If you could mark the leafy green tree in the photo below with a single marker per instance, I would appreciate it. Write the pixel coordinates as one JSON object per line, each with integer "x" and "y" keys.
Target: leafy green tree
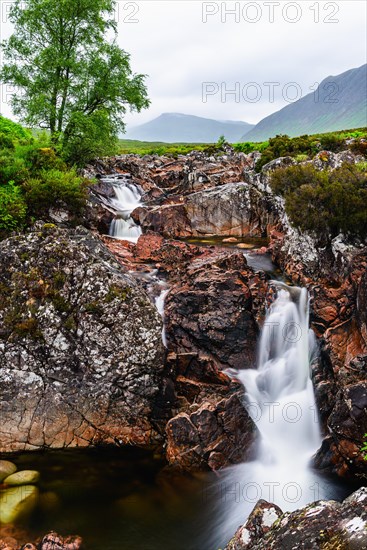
{"x": 69, "y": 75}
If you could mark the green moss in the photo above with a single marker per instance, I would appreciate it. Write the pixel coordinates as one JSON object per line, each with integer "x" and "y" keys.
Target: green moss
{"x": 59, "y": 280}
{"x": 28, "y": 327}
{"x": 94, "y": 307}
{"x": 61, "y": 305}
{"x": 115, "y": 292}
{"x": 70, "y": 323}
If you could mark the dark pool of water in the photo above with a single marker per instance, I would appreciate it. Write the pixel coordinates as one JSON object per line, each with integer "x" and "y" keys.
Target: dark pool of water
{"x": 252, "y": 242}
{"x": 120, "y": 499}
{"x": 126, "y": 499}
{"x": 259, "y": 262}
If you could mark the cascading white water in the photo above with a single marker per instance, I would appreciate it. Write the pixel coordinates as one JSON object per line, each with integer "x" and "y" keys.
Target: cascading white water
{"x": 280, "y": 399}
{"x": 127, "y": 199}
{"x": 159, "y": 304}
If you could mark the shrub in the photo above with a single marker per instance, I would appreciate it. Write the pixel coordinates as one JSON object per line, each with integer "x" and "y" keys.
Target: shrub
{"x": 359, "y": 147}
{"x": 286, "y": 180}
{"x": 42, "y": 158}
{"x": 5, "y": 141}
{"x": 332, "y": 142}
{"x": 55, "y": 188}
{"x": 13, "y": 208}
{"x": 12, "y": 168}
{"x": 283, "y": 145}
{"x": 14, "y": 131}
{"x": 325, "y": 202}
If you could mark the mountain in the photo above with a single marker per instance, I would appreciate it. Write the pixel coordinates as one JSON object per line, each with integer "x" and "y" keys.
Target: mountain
{"x": 176, "y": 127}
{"x": 338, "y": 104}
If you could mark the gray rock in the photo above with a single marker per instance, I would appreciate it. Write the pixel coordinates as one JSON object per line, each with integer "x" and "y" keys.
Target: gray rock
{"x": 320, "y": 525}
{"x": 260, "y": 521}
{"x": 80, "y": 345}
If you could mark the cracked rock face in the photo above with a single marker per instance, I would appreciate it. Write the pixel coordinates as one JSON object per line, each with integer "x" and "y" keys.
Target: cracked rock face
{"x": 80, "y": 345}
{"x": 211, "y": 311}
{"x": 325, "y": 525}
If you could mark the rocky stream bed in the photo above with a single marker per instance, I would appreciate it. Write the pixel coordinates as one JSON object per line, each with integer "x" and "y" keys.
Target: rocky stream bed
{"x": 83, "y": 363}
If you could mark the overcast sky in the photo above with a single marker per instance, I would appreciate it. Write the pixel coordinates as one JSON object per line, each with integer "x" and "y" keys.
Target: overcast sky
{"x": 184, "y": 44}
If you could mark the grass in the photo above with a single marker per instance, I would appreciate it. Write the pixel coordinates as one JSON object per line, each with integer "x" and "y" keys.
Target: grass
{"x": 127, "y": 146}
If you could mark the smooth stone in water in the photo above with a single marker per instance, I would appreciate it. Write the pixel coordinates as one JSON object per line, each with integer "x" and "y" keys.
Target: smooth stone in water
{"x": 17, "y": 502}
{"x": 230, "y": 240}
{"x": 245, "y": 246}
{"x": 6, "y": 469}
{"x": 24, "y": 477}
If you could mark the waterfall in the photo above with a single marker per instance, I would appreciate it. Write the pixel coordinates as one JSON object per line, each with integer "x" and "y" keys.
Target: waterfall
{"x": 127, "y": 199}
{"x": 280, "y": 399}
{"x": 279, "y": 394}
{"x": 159, "y": 304}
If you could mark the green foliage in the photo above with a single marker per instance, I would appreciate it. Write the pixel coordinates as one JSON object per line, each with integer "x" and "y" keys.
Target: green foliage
{"x": 12, "y": 168}
{"x": 13, "y": 208}
{"x": 364, "y": 447}
{"x": 42, "y": 158}
{"x": 69, "y": 75}
{"x": 250, "y": 146}
{"x": 55, "y": 188}
{"x": 221, "y": 141}
{"x": 324, "y": 202}
{"x": 127, "y": 146}
{"x": 305, "y": 147}
{"x": 282, "y": 146}
{"x": 359, "y": 147}
{"x": 90, "y": 138}
{"x": 13, "y": 131}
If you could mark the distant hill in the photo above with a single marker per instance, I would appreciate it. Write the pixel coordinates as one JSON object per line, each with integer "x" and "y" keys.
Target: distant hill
{"x": 176, "y": 127}
{"x": 341, "y": 104}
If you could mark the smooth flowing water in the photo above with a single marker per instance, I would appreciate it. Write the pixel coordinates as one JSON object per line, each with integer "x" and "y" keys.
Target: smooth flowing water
{"x": 159, "y": 304}
{"x": 280, "y": 399}
{"x": 127, "y": 199}
{"x": 126, "y": 498}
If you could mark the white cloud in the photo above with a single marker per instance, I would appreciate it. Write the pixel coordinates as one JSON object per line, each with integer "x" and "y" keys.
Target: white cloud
{"x": 171, "y": 43}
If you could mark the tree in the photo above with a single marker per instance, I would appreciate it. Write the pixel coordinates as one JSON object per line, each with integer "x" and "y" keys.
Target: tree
{"x": 70, "y": 77}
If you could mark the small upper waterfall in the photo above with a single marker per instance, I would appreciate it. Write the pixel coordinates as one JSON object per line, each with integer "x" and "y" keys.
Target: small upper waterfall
{"x": 280, "y": 399}
{"x": 159, "y": 304}
{"x": 127, "y": 199}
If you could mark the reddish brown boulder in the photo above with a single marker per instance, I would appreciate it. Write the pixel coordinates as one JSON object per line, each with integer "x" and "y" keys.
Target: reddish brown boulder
{"x": 216, "y": 435}
{"x": 53, "y": 541}
{"x": 168, "y": 220}
{"x": 210, "y": 311}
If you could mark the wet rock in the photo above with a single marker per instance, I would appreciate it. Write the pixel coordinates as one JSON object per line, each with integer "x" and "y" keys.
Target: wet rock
{"x": 214, "y": 436}
{"x": 347, "y": 424}
{"x": 258, "y": 524}
{"x": 23, "y": 477}
{"x": 168, "y": 220}
{"x": 17, "y": 502}
{"x": 322, "y": 525}
{"x": 53, "y": 541}
{"x": 211, "y": 311}
{"x": 81, "y": 355}
{"x": 6, "y": 469}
